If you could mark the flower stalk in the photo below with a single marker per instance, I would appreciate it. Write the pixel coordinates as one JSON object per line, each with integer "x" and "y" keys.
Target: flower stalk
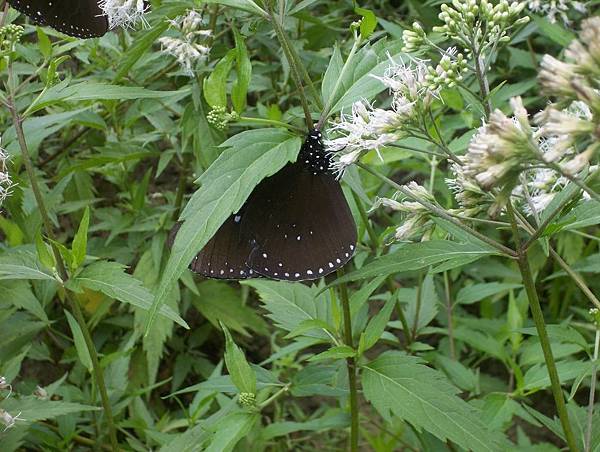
{"x": 62, "y": 271}
{"x": 540, "y": 325}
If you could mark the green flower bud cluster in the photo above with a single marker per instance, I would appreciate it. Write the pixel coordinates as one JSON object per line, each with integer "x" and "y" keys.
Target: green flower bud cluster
{"x": 219, "y": 118}
{"x": 479, "y": 24}
{"x": 448, "y": 72}
{"x": 247, "y": 399}
{"x": 413, "y": 38}
{"x": 9, "y": 35}
{"x": 595, "y": 313}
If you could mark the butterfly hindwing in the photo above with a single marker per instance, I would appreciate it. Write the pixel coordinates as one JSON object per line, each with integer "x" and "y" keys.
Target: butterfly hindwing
{"x": 225, "y": 255}
{"x": 79, "y": 18}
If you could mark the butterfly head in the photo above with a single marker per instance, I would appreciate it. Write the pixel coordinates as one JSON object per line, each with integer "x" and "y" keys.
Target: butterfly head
{"x": 313, "y": 155}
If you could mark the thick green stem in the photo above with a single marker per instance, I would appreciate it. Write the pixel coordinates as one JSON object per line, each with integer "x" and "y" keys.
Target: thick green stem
{"x": 351, "y": 366}
{"x": 62, "y": 271}
{"x": 540, "y": 325}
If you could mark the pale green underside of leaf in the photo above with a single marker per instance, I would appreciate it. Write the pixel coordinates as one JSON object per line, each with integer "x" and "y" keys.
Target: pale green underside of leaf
{"x": 251, "y": 156}
{"x": 400, "y": 385}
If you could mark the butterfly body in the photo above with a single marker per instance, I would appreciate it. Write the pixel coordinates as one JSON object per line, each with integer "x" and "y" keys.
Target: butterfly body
{"x": 79, "y": 18}
{"x": 296, "y": 225}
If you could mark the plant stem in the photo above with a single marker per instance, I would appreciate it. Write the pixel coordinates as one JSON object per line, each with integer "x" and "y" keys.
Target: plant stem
{"x": 400, "y": 313}
{"x": 365, "y": 219}
{"x": 293, "y": 67}
{"x": 62, "y": 271}
{"x": 449, "y": 315}
{"x": 484, "y": 86}
{"x": 440, "y": 212}
{"x": 351, "y": 366}
{"x": 590, "y": 414}
{"x": 540, "y": 325}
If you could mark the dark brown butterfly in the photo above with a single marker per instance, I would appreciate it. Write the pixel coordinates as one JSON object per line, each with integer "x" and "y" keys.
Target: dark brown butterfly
{"x": 79, "y": 18}
{"x": 296, "y": 225}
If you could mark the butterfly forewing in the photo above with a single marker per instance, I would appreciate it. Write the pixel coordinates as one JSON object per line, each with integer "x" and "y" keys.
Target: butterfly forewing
{"x": 79, "y": 18}
{"x": 299, "y": 220}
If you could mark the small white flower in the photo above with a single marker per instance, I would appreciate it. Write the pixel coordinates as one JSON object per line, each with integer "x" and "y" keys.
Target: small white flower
{"x": 124, "y": 13}
{"x": 5, "y": 184}
{"x": 187, "y": 49}
{"x": 9, "y": 420}
{"x": 554, "y": 9}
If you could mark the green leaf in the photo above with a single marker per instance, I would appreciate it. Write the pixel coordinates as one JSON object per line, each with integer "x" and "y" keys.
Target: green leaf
{"x": 143, "y": 41}
{"x": 537, "y": 378}
{"x": 21, "y": 265}
{"x": 251, "y": 156}
{"x": 336, "y": 63}
{"x": 337, "y": 352}
{"x": 554, "y": 31}
{"x": 239, "y": 90}
{"x": 215, "y": 85}
{"x": 44, "y": 43}
{"x": 230, "y": 430}
{"x": 416, "y": 256}
{"x": 368, "y": 22}
{"x": 79, "y": 246}
{"x": 19, "y": 294}
{"x": 33, "y": 409}
{"x": 45, "y": 255}
{"x": 290, "y": 305}
{"x": 477, "y": 292}
{"x": 111, "y": 279}
{"x": 376, "y": 325}
{"x": 401, "y": 385}
{"x": 241, "y": 373}
{"x": 61, "y": 92}
{"x": 82, "y": 351}
{"x": 372, "y": 60}
{"x": 220, "y": 302}
{"x": 244, "y": 5}
{"x": 327, "y": 422}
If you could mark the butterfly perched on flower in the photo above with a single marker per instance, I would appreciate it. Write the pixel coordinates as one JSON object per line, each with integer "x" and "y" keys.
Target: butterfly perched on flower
{"x": 296, "y": 225}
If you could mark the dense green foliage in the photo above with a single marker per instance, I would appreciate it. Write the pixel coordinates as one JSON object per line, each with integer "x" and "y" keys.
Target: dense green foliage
{"x": 106, "y": 336}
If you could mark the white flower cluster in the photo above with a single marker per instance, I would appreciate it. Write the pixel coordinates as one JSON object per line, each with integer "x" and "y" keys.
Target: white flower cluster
{"x": 187, "y": 48}
{"x": 5, "y": 181}
{"x": 413, "y": 87}
{"x": 124, "y": 13}
{"x": 554, "y": 9}
{"x": 416, "y": 217}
